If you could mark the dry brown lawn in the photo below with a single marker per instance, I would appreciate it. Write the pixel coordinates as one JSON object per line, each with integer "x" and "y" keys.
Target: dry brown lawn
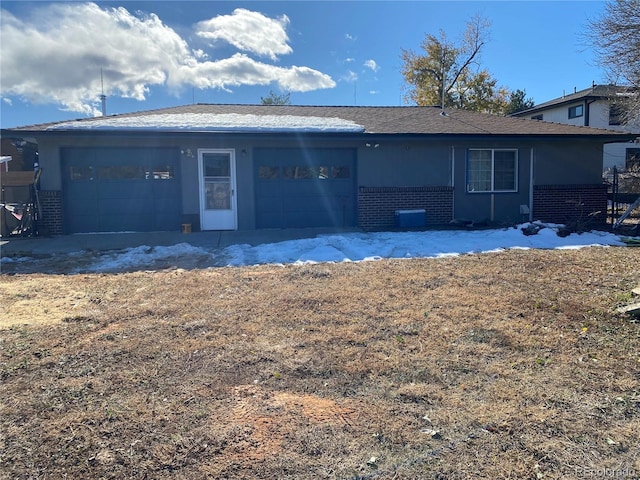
{"x": 507, "y": 365}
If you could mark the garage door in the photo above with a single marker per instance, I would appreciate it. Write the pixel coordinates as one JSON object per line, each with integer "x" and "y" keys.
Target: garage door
{"x": 121, "y": 189}
{"x": 305, "y": 188}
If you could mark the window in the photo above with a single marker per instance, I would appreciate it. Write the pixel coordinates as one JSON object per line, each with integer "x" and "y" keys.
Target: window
{"x": 615, "y": 114}
{"x": 216, "y": 165}
{"x": 268, "y": 173}
{"x": 161, "y": 172}
{"x": 301, "y": 173}
{"x": 633, "y": 159}
{"x": 81, "y": 173}
{"x": 576, "y": 111}
{"x": 340, "y": 172}
{"x": 492, "y": 170}
{"x": 537, "y": 117}
{"x": 124, "y": 172}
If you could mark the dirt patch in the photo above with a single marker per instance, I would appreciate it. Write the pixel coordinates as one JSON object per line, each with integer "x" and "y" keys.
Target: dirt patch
{"x": 509, "y": 365}
{"x": 38, "y": 302}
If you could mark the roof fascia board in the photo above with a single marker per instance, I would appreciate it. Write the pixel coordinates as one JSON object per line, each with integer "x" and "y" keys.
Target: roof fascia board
{"x": 359, "y": 136}
{"x": 558, "y": 103}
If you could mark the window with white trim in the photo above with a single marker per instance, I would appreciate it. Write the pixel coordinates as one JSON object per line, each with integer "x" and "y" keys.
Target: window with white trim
{"x": 492, "y": 170}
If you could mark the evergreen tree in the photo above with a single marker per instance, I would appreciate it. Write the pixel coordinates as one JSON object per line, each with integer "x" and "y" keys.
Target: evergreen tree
{"x": 276, "y": 99}
{"x": 518, "y": 102}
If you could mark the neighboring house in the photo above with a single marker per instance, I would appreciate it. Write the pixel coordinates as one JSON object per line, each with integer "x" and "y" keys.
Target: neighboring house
{"x": 596, "y": 107}
{"x": 22, "y": 152}
{"x": 4, "y": 163}
{"x": 226, "y": 167}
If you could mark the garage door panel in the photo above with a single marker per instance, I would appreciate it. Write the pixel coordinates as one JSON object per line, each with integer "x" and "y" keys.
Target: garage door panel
{"x": 121, "y": 189}
{"x": 312, "y": 219}
{"x": 86, "y": 208}
{"x": 125, "y": 222}
{"x": 305, "y": 188}
{"x": 82, "y": 222}
{"x": 167, "y": 206}
{"x": 124, "y": 206}
{"x": 125, "y": 190}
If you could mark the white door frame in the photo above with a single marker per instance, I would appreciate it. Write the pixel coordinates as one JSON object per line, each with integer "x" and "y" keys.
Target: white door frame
{"x": 217, "y": 218}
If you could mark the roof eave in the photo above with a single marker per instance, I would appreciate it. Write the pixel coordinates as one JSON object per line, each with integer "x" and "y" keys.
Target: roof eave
{"x": 606, "y": 137}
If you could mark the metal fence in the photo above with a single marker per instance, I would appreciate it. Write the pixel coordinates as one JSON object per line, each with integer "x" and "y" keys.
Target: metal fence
{"x": 623, "y": 194}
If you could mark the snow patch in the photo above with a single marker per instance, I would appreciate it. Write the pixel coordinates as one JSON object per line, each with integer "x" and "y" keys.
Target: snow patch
{"x": 215, "y": 122}
{"x": 348, "y": 247}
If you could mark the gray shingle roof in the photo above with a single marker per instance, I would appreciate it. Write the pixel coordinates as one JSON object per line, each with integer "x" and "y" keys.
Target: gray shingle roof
{"x": 409, "y": 120}
{"x": 594, "y": 92}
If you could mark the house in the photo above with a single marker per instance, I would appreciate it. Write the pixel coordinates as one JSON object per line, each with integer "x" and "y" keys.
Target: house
{"x": 598, "y": 107}
{"x": 23, "y": 154}
{"x": 227, "y": 167}
{"x": 4, "y": 163}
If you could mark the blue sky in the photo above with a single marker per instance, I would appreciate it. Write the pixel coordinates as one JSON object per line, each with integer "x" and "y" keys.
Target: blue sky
{"x": 155, "y": 54}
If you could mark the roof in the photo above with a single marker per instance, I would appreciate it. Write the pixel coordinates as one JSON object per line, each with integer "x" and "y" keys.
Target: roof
{"x": 595, "y": 92}
{"x": 410, "y": 120}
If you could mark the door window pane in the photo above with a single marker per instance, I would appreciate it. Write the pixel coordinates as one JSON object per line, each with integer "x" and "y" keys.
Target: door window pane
{"x": 217, "y": 165}
{"x": 217, "y": 195}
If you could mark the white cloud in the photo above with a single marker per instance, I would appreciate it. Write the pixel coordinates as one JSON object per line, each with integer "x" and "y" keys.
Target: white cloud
{"x": 7, "y": 101}
{"x": 372, "y": 65}
{"x": 57, "y": 52}
{"x": 200, "y": 54}
{"x": 350, "y": 77}
{"x": 348, "y": 36}
{"x": 249, "y": 31}
{"x": 243, "y": 70}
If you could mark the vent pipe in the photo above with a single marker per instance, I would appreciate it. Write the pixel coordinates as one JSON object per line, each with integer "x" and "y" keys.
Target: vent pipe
{"x": 103, "y": 97}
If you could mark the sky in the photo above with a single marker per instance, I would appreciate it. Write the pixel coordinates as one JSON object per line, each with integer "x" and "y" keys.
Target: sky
{"x": 347, "y": 247}
{"x": 57, "y": 58}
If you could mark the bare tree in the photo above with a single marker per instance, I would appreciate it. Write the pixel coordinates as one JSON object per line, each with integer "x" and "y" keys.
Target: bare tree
{"x": 615, "y": 36}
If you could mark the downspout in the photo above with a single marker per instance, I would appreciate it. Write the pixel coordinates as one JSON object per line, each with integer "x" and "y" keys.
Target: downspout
{"x": 492, "y": 214}
{"x": 531, "y": 186}
{"x": 453, "y": 181}
{"x": 587, "y": 111}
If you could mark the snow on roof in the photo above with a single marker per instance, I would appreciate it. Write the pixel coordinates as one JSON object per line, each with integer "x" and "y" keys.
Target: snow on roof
{"x": 233, "y": 122}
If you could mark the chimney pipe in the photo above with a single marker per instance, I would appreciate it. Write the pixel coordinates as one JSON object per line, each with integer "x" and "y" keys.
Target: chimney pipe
{"x": 103, "y": 97}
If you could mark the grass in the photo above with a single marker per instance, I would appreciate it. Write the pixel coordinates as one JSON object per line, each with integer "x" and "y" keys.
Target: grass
{"x": 506, "y": 365}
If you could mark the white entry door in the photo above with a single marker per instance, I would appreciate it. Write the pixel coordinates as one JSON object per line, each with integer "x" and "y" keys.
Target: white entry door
{"x": 217, "y": 169}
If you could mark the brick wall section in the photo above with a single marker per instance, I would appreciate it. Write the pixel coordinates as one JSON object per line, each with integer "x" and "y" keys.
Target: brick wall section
{"x": 584, "y": 205}
{"x": 51, "y": 204}
{"x": 377, "y": 205}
